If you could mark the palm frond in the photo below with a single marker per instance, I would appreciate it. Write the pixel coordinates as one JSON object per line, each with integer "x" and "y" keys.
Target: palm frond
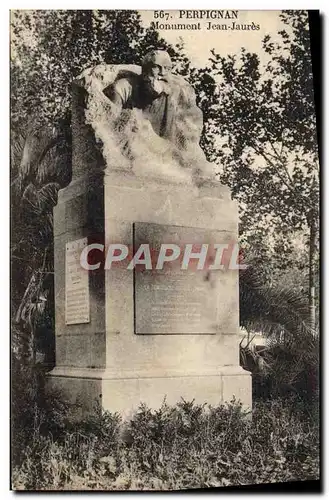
{"x": 17, "y": 144}
{"x": 273, "y": 311}
{"x": 41, "y": 155}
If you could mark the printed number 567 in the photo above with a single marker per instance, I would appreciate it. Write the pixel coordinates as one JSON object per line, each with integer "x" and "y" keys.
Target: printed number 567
{"x": 161, "y": 14}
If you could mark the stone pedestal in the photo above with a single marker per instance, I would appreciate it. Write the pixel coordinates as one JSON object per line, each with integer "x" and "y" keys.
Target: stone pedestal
{"x": 121, "y": 353}
{"x": 105, "y": 359}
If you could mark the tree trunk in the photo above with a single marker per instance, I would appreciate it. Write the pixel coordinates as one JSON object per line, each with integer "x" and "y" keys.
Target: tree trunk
{"x": 312, "y": 271}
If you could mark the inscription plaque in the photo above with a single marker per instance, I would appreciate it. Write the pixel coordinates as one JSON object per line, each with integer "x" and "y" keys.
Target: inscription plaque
{"x": 76, "y": 284}
{"x": 172, "y": 300}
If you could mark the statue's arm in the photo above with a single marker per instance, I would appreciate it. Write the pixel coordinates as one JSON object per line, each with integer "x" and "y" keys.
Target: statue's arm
{"x": 193, "y": 116}
{"x": 119, "y": 92}
{"x": 114, "y": 97}
{"x": 188, "y": 130}
{"x": 189, "y": 120}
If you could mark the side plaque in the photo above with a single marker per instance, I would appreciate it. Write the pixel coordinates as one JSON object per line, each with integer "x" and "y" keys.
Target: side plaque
{"x": 77, "y": 303}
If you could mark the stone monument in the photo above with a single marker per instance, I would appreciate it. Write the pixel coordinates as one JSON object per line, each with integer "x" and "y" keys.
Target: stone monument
{"x": 126, "y": 336}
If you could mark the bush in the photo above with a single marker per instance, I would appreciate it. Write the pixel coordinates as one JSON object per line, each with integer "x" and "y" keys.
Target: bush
{"x": 175, "y": 447}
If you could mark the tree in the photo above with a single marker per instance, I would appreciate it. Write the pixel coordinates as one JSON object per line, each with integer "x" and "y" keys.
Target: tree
{"x": 268, "y": 153}
{"x": 39, "y": 160}
{"x": 61, "y": 45}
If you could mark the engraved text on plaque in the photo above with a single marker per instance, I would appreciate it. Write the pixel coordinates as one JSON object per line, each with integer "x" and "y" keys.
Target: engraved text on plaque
{"x": 76, "y": 284}
{"x": 172, "y": 300}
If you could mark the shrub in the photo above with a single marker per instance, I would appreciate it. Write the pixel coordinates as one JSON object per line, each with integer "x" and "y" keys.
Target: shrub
{"x": 175, "y": 447}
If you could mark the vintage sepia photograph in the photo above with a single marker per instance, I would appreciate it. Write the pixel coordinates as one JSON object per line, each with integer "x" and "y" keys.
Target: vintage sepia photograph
{"x": 165, "y": 276}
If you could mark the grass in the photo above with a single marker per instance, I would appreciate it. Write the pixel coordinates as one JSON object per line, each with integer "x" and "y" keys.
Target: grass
{"x": 175, "y": 447}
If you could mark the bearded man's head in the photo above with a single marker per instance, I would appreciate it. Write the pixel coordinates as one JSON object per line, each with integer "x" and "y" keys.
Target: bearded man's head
{"x": 156, "y": 70}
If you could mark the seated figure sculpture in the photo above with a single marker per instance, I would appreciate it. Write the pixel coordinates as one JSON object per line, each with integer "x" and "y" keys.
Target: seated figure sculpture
{"x": 147, "y": 119}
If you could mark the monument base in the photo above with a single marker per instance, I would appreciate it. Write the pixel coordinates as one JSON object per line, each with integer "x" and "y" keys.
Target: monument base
{"x": 145, "y": 335}
{"x": 87, "y": 390}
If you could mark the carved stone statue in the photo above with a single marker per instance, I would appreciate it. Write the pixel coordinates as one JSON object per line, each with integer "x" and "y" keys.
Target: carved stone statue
{"x": 146, "y": 119}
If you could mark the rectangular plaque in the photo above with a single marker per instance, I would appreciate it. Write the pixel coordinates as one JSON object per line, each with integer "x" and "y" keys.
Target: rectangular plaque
{"x": 172, "y": 300}
{"x": 76, "y": 284}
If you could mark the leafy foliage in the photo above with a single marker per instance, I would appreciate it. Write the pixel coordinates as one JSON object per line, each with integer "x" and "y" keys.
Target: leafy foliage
{"x": 272, "y": 310}
{"x": 175, "y": 447}
{"x": 260, "y": 129}
{"x": 269, "y": 152}
{"x": 289, "y": 363}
